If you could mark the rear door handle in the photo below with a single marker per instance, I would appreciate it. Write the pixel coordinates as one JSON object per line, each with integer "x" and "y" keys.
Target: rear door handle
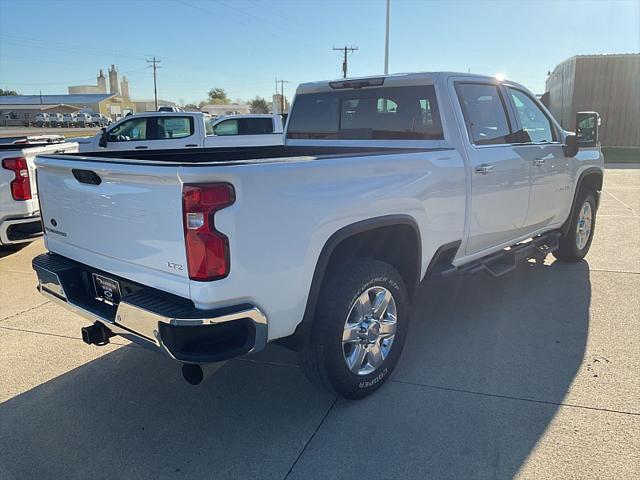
{"x": 538, "y": 162}
{"x": 191, "y": 145}
{"x": 484, "y": 169}
{"x": 141, "y": 147}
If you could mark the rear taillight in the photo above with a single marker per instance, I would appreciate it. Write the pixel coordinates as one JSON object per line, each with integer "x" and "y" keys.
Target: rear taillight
{"x": 207, "y": 248}
{"x": 21, "y": 185}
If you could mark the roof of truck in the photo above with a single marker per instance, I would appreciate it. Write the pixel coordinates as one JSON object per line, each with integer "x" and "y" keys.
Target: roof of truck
{"x": 406, "y": 79}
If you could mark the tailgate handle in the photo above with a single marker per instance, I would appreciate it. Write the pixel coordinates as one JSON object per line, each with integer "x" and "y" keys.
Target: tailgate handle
{"x": 86, "y": 176}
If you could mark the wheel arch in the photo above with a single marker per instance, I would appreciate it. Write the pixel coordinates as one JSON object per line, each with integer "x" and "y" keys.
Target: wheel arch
{"x": 591, "y": 178}
{"x": 352, "y": 240}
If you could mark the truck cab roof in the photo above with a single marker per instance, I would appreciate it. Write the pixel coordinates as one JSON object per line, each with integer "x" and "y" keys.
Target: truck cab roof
{"x": 396, "y": 79}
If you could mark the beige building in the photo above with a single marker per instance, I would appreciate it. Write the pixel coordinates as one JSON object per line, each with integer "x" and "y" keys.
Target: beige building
{"x": 607, "y": 84}
{"x": 228, "y": 109}
{"x": 106, "y": 104}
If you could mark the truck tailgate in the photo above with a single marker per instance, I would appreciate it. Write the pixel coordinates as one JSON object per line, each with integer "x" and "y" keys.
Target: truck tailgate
{"x": 122, "y": 218}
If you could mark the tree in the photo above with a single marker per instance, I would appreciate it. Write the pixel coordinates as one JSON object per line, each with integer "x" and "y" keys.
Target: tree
{"x": 191, "y": 106}
{"x": 259, "y": 105}
{"x": 5, "y": 93}
{"x": 218, "y": 96}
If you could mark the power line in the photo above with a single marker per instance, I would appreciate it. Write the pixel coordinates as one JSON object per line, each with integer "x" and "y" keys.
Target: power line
{"x": 154, "y": 62}
{"x": 345, "y": 50}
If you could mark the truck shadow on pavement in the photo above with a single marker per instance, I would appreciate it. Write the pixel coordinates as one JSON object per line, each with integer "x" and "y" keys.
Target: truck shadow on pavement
{"x": 485, "y": 368}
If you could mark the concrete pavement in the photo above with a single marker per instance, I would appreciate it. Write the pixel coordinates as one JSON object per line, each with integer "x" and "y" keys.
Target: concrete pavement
{"x": 532, "y": 375}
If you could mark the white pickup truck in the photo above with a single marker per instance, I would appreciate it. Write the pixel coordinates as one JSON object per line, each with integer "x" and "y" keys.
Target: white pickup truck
{"x": 19, "y": 210}
{"x": 163, "y": 130}
{"x": 318, "y": 244}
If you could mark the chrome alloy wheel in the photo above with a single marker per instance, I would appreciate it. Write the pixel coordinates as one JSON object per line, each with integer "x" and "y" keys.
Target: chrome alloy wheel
{"x": 369, "y": 330}
{"x": 585, "y": 221}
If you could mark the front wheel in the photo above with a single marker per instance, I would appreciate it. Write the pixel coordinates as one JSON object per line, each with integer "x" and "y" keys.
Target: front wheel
{"x": 359, "y": 328}
{"x": 576, "y": 241}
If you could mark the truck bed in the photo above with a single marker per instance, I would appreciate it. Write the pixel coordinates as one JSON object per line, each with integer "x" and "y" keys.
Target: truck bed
{"x": 242, "y": 155}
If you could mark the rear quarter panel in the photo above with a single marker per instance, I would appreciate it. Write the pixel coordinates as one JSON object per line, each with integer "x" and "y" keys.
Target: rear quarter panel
{"x": 285, "y": 213}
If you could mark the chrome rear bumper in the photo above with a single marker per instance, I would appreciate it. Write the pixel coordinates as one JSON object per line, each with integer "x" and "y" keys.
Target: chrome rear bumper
{"x": 152, "y": 318}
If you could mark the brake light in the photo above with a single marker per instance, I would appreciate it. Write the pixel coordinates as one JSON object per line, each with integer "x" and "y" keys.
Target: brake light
{"x": 207, "y": 248}
{"x": 21, "y": 185}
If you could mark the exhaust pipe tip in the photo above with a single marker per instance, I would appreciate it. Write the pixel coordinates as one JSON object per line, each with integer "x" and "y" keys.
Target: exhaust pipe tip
{"x": 192, "y": 373}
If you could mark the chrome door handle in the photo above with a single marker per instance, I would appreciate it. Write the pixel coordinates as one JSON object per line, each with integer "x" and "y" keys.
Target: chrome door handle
{"x": 538, "y": 162}
{"x": 484, "y": 169}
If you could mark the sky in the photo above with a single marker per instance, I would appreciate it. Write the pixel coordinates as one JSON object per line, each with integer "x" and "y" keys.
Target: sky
{"x": 243, "y": 45}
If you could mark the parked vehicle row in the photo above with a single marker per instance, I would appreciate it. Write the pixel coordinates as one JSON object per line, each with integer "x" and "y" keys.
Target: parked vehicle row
{"x": 165, "y": 130}
{"x": 318, "y": 244}
{"x": 71, "y": 120}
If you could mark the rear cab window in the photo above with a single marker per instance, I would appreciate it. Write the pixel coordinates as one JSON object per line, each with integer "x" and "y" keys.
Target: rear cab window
{"x": 385, "y": 113}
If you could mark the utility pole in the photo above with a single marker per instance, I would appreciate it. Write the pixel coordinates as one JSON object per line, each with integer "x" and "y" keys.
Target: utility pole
{"x": 386, "y": 41}
{"x": 345, "y": 50}
{"x": 281, "y": 82}
{"x": 155, "y": 85}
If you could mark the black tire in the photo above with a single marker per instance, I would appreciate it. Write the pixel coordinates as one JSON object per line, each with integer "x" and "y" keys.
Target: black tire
{"x": 322, "y": 360}
{"x": 569, "y": 250}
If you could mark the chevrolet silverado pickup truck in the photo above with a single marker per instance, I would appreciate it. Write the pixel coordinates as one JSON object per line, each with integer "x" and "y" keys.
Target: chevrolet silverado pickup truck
{"x": 19, "y": 210}
{"x": 317, "y": 244}
{"x": 163, "y": 130}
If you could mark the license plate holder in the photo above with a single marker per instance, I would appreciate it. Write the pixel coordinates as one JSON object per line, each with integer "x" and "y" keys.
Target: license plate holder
{"x": 107, "y": 289}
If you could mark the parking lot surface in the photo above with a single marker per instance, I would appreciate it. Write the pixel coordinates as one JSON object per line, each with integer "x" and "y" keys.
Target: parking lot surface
{"x": 531, "y": 375}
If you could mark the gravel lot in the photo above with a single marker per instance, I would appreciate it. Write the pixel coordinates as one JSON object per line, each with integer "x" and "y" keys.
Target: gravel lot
{"x": 533, "y": 375}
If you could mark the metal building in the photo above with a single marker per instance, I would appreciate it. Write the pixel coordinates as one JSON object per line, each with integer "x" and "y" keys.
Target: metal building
{"x": 607, "y": 84}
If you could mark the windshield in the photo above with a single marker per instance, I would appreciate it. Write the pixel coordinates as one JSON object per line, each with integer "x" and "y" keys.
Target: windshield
{"x": 392, "y": 113}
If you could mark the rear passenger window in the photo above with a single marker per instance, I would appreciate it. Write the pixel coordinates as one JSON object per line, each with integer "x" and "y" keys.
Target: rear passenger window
{"x": 255, "y": 126}
{"x": 172, "y": 127}
{"x": 228, "y": 127}
{"x": 484, "y": 113}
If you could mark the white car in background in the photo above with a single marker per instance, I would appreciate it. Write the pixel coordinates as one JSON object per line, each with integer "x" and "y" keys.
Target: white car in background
{"x": 83, "y": 120}
{"x": 169, "y": 130}
{"x": 41, "y": 119}
{"x": 68, "y": 119}
{"x": 55, "y": 119}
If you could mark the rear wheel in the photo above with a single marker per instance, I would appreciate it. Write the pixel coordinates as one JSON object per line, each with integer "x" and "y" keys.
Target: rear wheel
{"x": 359, "y": 328}
{"x": 575, "y": 243}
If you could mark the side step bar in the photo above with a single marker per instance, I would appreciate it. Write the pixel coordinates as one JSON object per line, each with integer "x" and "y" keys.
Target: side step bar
{"x": 503, "y": 262}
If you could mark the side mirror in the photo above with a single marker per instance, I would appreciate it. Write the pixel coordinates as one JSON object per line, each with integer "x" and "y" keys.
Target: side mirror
{"x": 103, "y": 138}
{"x": 587, "y": 124}
{"x": 570, "y": 147}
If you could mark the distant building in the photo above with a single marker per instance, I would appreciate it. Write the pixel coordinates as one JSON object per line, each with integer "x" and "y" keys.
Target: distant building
{"x": 277, "y": 104}
{"x": 24, "y": 114}
{"x": 22, "y": 108}
{"x": 99, "y": 87}
{"x": 607, "y": 84}
{"x": 228, "y": 109}
{"x": 113, "y": 80}
{"x": 150, "y": 105}
{"x": 124, "y": 88}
